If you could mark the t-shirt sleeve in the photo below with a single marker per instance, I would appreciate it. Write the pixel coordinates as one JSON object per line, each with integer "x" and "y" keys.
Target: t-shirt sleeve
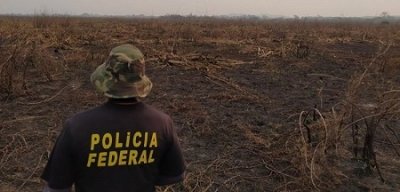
{"x": 59, "y": 172}
{"x": 172, "y": 166}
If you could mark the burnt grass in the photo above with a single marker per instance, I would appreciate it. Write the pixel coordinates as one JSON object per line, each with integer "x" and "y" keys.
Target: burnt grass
{"x": 234, "y": 89}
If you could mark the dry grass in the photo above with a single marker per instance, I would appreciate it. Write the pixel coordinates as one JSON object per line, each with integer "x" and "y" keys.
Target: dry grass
{"x": 346, "y": 137}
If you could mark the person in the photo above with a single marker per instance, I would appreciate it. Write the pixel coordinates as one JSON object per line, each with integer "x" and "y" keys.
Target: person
{"x": 121, "y": 145}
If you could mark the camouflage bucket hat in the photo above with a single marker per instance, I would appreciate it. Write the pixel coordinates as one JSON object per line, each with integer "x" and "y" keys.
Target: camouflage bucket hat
{"x": 122, "y": 75}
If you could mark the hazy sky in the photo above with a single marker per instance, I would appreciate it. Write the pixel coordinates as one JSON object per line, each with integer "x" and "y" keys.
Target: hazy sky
{"x": 205, "y": 7}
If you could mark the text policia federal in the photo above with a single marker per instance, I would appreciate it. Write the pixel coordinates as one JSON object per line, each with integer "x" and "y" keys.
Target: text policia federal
{"x": 115, "y": 149}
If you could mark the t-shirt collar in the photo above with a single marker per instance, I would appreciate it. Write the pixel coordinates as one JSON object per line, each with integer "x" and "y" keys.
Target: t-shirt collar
{"x": 127, "y": 101}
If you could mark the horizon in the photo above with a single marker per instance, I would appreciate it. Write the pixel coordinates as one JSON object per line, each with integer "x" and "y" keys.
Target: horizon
{"x": 272, "y": 8}
{"x": 266, "y": 16}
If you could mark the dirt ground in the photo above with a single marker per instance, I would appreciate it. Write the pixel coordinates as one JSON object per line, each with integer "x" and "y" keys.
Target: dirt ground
{"x": 235, "y": 90}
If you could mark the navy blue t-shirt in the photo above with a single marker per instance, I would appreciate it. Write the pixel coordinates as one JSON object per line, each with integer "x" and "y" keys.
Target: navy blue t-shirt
{"x": 118, "y": 146}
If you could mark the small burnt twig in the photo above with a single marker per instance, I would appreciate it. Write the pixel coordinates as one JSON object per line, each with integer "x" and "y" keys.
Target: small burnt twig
{"x": 391, "y": 142}
{"x": 46, "y": 100}
{"x": 393, "y": 132}
{"x": 33, "y": 173}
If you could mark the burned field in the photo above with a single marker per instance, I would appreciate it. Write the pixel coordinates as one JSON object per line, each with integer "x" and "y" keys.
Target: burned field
{"x": 279, "y": 105}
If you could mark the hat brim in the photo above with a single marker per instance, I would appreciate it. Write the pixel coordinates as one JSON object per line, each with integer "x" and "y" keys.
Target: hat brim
{"x": 104, "y": 83}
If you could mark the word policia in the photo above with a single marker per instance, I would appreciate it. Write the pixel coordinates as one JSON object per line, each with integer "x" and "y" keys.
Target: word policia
{"x": 118, "y": 150}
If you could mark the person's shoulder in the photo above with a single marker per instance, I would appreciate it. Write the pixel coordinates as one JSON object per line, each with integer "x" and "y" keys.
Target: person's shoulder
{"x": 161, "y": 119}
{"x": 153, "y": 111}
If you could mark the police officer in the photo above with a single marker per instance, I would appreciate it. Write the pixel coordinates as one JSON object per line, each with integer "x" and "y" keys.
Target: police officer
{"x": 122, "y": 145}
